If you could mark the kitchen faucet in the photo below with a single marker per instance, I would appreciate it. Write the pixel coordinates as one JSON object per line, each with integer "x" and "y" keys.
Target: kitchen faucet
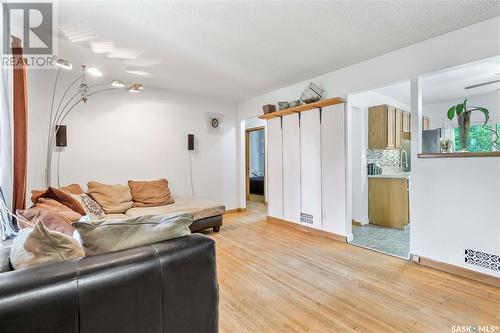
{"x": 403, "y": 163}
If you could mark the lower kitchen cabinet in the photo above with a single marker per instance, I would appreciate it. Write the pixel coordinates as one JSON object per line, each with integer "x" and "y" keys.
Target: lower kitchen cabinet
{"x": 388, "y": 202}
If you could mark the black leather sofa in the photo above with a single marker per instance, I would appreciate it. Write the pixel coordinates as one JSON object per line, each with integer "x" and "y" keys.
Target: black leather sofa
{"x": 169, "y": 286}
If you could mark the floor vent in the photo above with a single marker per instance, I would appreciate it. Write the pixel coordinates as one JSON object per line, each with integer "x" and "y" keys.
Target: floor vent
{"x": 306, "y": 218}
{"x": 482, "y": 259}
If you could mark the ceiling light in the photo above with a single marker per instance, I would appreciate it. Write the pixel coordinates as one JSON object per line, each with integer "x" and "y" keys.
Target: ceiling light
{"x": 94, "y": 71}
{"x": 117, "y": 84}
{"x": 64, "y": 64}
{"x": 139, "y": 73}
{"x": 136, "y": 87}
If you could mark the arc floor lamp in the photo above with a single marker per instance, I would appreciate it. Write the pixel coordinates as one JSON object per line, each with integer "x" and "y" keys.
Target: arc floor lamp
{"x": 73, "y": 96}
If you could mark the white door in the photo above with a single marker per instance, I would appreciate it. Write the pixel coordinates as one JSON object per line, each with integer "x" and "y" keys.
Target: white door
{"x": 333, "y": 173}
{"x": 291, "y": 168}
{"x": 275, "y": 169}
{"x": 310, "y": 168}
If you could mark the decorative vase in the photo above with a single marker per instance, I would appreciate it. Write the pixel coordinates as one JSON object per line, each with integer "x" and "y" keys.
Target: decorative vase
{"x": 463, "y": 130}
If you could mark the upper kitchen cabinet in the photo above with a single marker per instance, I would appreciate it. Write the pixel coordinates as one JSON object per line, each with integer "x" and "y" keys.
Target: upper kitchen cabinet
{"x": 398, "y": 129}
{"x": 382, "y": 127}
{"x": 426, "y": 123}
{"x": 406, "y": 122}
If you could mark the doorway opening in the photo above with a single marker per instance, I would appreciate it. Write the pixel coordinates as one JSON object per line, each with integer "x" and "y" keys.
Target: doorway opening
{"x": 381, "y": 168}
{"x": 255, "y": 169}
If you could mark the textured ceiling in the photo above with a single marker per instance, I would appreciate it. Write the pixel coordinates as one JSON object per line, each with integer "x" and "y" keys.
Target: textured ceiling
{"x": 236, "y": 50}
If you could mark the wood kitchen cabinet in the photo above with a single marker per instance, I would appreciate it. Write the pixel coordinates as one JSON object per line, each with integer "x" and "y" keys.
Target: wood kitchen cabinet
{"x": 388, "y": 202}
{"x": 426, "y": 123}
{"x": 381, "y": 127}
{"x": 406, "y": 122}
{"x": 398, "y": 130}
{"x": 406, "y": 126}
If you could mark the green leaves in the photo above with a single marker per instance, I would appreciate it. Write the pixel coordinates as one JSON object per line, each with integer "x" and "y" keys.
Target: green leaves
{"x": 451, "y": 112}
{"x": 457, "y": 109}
{"x": 460, "y": 108}
{"x": 486, "y": 114}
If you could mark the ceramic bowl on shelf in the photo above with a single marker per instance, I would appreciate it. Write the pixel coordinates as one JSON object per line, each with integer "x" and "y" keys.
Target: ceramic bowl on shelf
{"x": 283, "y": 105}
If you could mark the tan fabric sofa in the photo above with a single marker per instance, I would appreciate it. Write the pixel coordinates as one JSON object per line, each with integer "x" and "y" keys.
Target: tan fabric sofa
{"x": 206, "y": 213}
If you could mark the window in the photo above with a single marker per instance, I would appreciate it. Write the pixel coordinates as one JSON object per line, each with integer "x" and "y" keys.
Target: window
{"x": 481, "y": 137}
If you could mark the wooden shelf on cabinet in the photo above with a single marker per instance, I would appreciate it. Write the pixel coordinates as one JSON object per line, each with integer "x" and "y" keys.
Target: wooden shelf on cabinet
{"x": 304, "y": 107}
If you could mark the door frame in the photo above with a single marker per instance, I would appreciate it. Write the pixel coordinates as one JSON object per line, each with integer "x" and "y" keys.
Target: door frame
{"x": 247, "y": 158}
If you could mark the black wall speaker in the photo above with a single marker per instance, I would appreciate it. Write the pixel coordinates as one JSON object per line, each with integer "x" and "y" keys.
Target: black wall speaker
{"x": 190, "y": 141}
{"x": 61, "y": 140}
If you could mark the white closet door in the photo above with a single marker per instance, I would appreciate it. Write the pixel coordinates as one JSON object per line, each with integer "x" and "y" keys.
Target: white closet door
{"x": 310, "y": 168}
{"x": 333, "y": 161}
{"x": 274, "y": 169}
{"x": 291, "y": 168}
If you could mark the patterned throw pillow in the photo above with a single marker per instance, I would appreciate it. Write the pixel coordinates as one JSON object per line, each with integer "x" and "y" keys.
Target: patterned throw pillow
{"x": 92, "y": 208}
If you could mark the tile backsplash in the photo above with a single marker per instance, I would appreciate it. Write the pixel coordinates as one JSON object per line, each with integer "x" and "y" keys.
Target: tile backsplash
{"x": 384, "y": 157}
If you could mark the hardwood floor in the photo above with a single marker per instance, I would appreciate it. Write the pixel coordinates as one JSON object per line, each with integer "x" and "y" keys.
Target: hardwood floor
{"x": 277, "y": 279}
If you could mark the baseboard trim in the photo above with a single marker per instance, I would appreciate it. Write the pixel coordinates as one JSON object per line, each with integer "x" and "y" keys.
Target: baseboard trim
{"x": 457, "y": 270}
{"x": 357, "y": 223}
{"x": 321, "y": 233}
{"x": 234, "y": 210}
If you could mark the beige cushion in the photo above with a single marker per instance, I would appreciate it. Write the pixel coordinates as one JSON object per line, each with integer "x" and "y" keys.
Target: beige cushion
{"x": 114, "y": 235}
{"x": 199, "y": 208}
{"x": 150, "y": 193}
{"x": 73, "y": 189}
{"x": 92, "y": 208}
{"x": 112, "y": 198}
{"x": 39, "y": 245}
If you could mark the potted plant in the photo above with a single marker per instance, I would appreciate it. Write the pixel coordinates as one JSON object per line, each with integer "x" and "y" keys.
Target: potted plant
{"x": 463, "y": 113}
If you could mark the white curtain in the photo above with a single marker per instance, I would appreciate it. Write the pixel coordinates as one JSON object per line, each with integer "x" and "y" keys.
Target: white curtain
{"x": 6, "y": 228}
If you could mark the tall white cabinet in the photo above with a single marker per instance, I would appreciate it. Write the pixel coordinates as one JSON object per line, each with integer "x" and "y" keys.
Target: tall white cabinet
{"x": 333, "y": 171}
{"x": 275, "y": 169}
{"x": 291, "y": 168}
{"x": 306, "y": 168}
{"x": 310, "y": 168}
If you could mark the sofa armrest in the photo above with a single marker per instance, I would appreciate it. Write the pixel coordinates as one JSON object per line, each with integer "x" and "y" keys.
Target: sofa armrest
{"x": 40, "y": 299}
{"x": 169, "y": 286}
{"x": 5, "y": 265}
{"x": 190, "y": 290}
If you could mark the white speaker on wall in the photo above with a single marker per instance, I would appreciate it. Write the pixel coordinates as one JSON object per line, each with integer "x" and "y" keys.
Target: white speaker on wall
{"x": 214, "y": 122}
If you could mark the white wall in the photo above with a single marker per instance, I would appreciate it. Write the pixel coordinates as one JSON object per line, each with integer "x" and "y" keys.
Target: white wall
{"x": 443, "y": 233}
{"x": 358, "y": 106}
{"x": 119, "y": 136}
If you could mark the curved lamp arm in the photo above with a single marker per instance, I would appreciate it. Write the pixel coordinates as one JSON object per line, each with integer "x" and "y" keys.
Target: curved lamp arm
{"x": 62, "y": 115}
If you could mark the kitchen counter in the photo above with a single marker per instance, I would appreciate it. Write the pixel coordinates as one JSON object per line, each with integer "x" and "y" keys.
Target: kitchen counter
{"x": 401, "y": 175}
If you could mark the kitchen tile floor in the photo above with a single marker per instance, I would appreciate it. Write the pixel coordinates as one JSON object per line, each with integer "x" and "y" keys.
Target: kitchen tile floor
{"x": 388, "y": 240}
